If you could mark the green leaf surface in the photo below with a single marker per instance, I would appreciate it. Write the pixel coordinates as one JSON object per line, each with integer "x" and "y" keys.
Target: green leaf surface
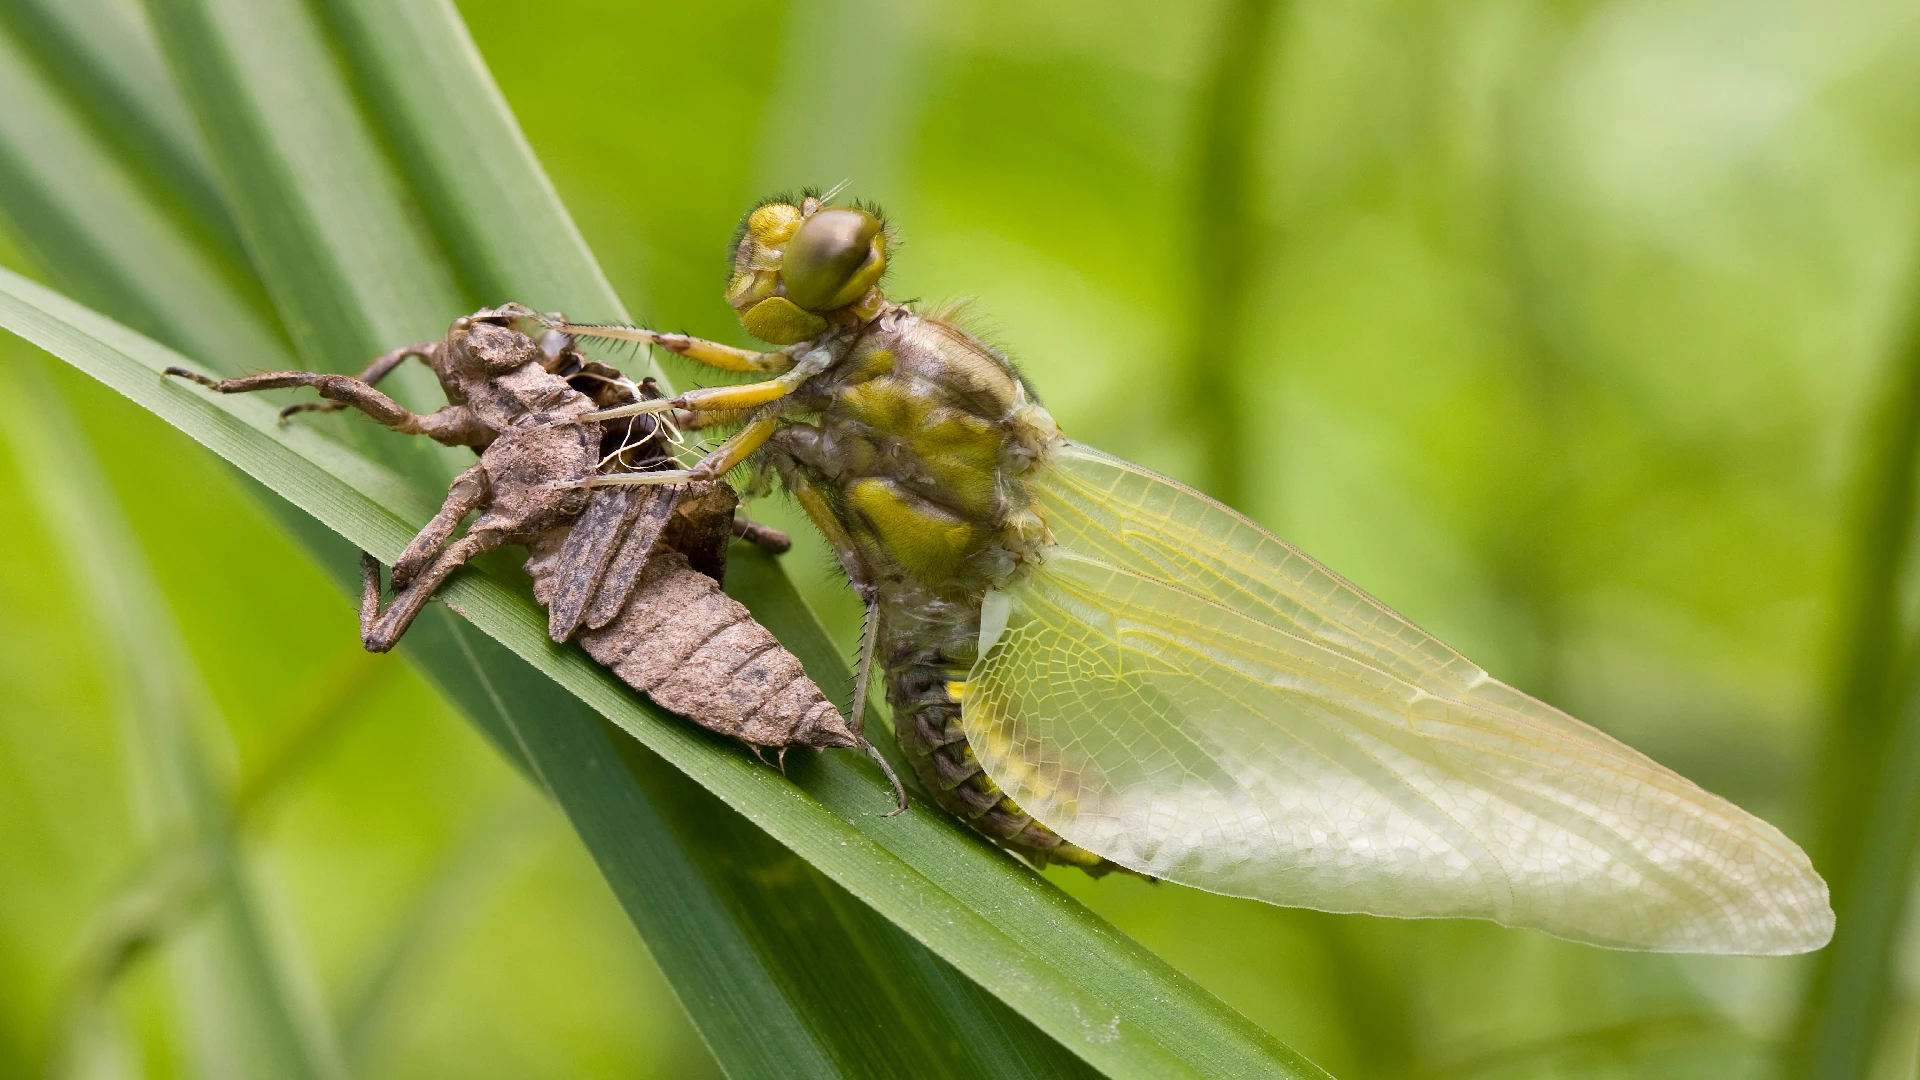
{"x": 785, "y": 974}
{"x": 1103, "y": 996}
{"x": 1870, "y": 761}
{"x": 490, "y": 205}
{"x": 1854, "y": 996}
{"x": 92, "y": 224}
{"x": 342, "y": 249}
{"x": 243, "y": 1014}
{"x": 104, "y": 51}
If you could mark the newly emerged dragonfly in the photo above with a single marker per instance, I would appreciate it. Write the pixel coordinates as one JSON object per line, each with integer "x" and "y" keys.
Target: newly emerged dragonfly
{"x": 1096, "y": 665}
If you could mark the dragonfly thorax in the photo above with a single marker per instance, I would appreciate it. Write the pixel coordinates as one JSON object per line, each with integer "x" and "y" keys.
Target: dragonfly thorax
{"x": 925, "y": 442}
{"x": 923, "y": 436}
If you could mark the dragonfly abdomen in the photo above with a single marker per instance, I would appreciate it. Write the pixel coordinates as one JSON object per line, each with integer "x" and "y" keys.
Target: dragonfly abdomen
{"x": 921, "y": 684}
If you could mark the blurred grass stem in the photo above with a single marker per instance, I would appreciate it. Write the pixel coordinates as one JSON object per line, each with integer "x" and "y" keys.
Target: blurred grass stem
{"x": 1224, "y": 238}
{"x": 1854, "y": 1002}
{"x": 175, "y": 878}
{"x": 1870, "y": 763}
{"x": 1610, "y": 1044}
{"x": 242, "y": 1011}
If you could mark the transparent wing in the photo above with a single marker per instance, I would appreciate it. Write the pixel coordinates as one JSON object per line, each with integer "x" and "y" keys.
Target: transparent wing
{"x": 1184, "y": 693}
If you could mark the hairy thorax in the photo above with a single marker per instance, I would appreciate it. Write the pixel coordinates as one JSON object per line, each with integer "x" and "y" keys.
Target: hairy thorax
{"x": 923, "y": 435}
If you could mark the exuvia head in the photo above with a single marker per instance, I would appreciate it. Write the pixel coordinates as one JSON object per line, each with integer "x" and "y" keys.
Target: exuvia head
{"x": 798, "y": 269}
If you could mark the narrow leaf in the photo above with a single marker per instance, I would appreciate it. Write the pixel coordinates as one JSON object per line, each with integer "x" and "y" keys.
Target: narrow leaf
{"x": 99, "y": 233}
{"x": 1870, "y": 758}
{"x": 103, "y": 53}
{"x": 332, "y": 233}
{"x": 491, "y": 207}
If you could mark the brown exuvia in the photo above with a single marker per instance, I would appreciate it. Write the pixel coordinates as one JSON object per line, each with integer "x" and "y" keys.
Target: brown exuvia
{"x": 631, "y": 573}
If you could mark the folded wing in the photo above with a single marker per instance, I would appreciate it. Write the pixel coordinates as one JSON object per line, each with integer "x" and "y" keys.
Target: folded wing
{"x": 1186, "y": 694}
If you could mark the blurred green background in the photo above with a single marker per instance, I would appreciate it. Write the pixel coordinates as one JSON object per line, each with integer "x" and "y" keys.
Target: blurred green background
{"x": 1578, "y": 332}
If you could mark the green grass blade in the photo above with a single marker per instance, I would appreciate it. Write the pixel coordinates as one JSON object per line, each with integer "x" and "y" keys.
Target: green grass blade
{"x": 244, "y": 1018}
{"x": 1226, "y": 239}
{"x": 491, "y": 206}
{"x": 769, "y": 957}
{"x": 332, "y": 232}
{"x": 95, "y": 228}
{"x": 944, "y": 1004}
{"x": 1862, "y": 715}
{"x": 103, "y": 53}
{"x": 1106, "y": 998}
{"x": 1854, "y": 999}
{"x": 1871, "y": 757}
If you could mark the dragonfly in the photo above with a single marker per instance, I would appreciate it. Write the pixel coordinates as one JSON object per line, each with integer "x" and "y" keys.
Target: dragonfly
{"x": 1096, "y": 665}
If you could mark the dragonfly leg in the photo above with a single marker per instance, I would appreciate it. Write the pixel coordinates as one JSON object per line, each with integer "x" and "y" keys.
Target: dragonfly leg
{"x": 699, "y": 350}
{"x": 712, "y": 467}
{"x": 709, "y": 400}
{"x": 719, "y": 404}
{"x": 820, "y": 512}
{"x": 765, "y": 537}
{"x": 813, "y": 501}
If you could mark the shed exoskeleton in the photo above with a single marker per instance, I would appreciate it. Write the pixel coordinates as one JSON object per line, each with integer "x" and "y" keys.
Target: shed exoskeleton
{"x": 632, "y": 574}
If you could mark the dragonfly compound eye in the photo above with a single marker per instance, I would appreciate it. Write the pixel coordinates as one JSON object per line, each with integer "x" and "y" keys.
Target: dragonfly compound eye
{"x": 835, "y": 256}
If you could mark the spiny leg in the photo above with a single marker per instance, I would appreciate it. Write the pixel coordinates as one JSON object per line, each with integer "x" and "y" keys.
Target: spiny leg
{"x": 381, "y": 367}
{"x": 711, "y": 399}
{"x": 819, "y": 510}
{"x": 453, "y": 425}
{"x": 863, "y": 668}
{"x": 369, "y": 592}
{"x": 813, "y": 501}
{"x": 769, "y": 400}
{"x": 699, "y": 350}
{"x": 468, "y": 492}
{"x": 382, "y": 632}
{"x": 712, "y": 467}
{"x": 715, "y": 401}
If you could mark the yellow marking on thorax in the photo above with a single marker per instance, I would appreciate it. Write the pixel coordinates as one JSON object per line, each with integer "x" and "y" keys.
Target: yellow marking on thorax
{"x": 927, "y": 541}
{"x": 869, "y": 363}
{"x": 885, "y": 404}
{"x": 961, "y": 452}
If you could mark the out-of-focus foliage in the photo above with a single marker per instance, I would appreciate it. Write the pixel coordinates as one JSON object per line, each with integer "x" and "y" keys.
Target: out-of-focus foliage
{"x": 1562, "y": 330}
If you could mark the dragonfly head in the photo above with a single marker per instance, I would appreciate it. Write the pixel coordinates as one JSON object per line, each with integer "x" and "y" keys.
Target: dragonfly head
{"x": 800, "y": 268}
